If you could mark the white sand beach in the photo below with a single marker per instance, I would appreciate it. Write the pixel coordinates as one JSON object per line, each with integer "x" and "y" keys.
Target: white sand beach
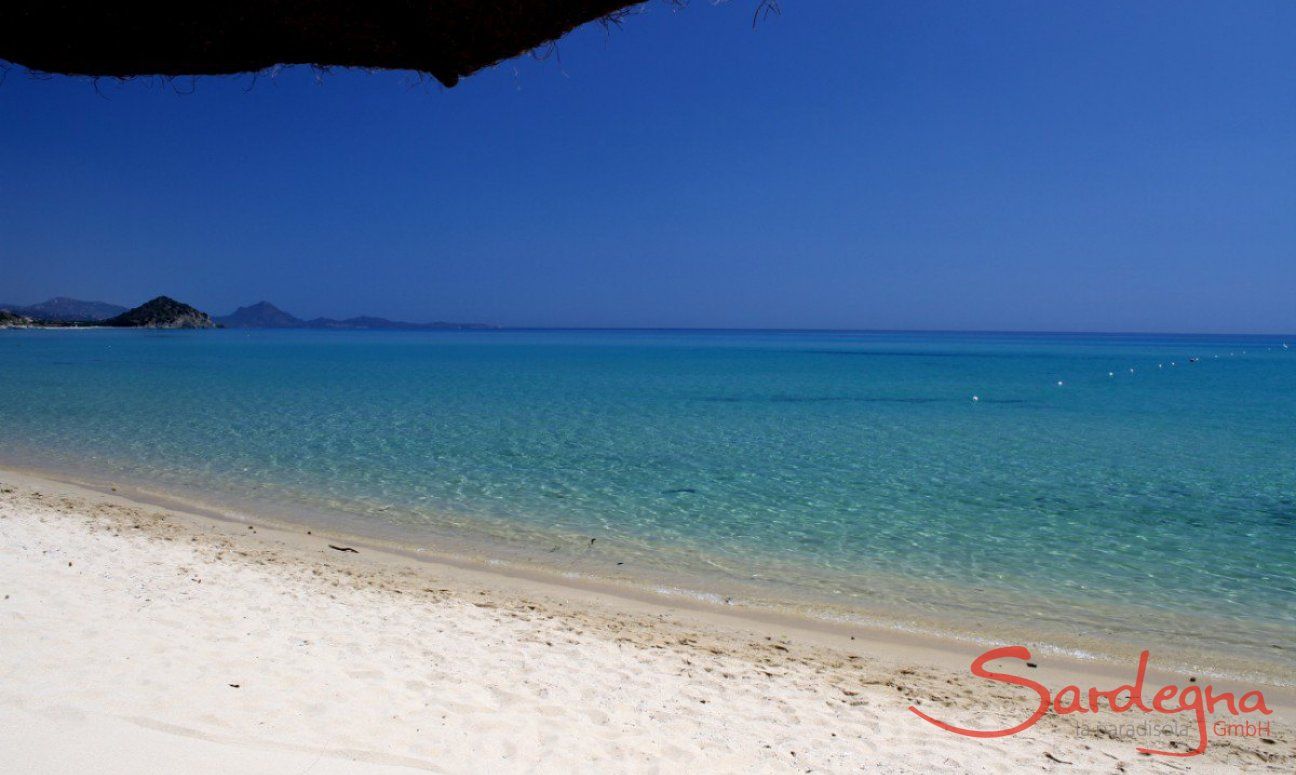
{"x": 137, "y": 639}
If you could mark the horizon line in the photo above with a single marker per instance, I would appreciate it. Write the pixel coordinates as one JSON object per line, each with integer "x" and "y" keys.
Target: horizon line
{"x": 757, "y": 329}
{"x": 791, "y": 330}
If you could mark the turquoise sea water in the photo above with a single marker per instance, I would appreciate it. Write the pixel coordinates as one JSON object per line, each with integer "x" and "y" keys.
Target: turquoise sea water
{"x": 1145, "y": 501}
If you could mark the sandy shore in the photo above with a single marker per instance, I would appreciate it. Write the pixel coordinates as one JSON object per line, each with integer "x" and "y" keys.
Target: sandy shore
{"x": 135, "y": 638}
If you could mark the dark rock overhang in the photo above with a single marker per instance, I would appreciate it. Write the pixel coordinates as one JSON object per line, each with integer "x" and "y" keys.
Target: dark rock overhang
{"x": 448, "y": 39}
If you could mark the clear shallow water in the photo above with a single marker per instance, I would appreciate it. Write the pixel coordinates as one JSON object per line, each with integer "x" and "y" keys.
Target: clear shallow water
{"x": 851, "y": 474}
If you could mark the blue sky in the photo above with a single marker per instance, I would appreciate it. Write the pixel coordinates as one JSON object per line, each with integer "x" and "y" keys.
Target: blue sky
{"x": 990, "y": 165}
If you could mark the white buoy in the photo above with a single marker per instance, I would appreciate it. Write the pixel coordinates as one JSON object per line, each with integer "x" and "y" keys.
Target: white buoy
{"x": 1059, "y": 383}
{"x": 1111, "y": 373}
{"x": 976, "y": 398}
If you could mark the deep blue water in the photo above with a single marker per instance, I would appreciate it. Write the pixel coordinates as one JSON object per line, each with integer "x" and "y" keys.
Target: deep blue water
{"x": 1146, "y": 497}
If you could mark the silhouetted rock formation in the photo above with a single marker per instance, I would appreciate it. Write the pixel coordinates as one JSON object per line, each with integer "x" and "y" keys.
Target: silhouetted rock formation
{"x": 162, "y": 312}
{"x": 445, "y": 38}
{"x": 13, "y": 320}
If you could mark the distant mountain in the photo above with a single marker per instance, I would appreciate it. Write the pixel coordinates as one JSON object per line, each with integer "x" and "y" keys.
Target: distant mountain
{"x": 162, "y": 312}
{"x": 65, "y": 310}
{"x": 263, "y": 314}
